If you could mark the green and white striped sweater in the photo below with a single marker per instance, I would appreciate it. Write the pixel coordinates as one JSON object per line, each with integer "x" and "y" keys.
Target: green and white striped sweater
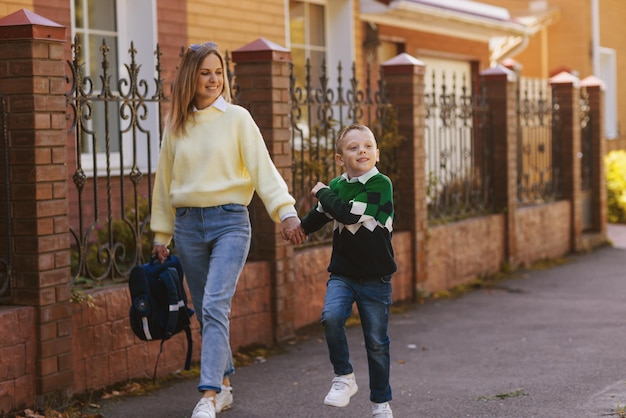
{"x": 362, "y": 211}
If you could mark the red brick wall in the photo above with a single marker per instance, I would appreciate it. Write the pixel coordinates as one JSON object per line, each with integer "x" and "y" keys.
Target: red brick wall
{"x": 543, "y": 232}
{"x": 462, "y": 251}
{"x": 106, "y": 350}
{"x": 17, "y": 350}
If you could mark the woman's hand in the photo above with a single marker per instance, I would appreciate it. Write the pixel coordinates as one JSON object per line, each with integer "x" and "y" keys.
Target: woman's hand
{"x": 161, "y": 251}
{"x": 291, "y": 230}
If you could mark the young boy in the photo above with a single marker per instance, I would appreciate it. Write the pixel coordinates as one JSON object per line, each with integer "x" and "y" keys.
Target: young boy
{"x": 360, "y": 202}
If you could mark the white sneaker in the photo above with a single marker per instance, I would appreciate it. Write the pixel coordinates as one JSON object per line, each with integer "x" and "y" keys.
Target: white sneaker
{"x": 343, "y": 388}
{"x": 224, "y": 399}
{"x": 381, "y": 410}
{"x": 204, "y": 409}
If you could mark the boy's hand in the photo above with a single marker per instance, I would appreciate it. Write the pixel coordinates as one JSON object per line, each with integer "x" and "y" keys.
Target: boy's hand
{"x": 298, "y": 236}
{"x": 319, "y": 186}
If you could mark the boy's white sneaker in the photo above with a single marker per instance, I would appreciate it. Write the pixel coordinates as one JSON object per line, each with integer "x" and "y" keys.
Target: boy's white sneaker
{"x": 343, "y": 388}
{"x": 381, "y": 410}
{"x": 204, "y": 409}
{"x": 224, "y": 399}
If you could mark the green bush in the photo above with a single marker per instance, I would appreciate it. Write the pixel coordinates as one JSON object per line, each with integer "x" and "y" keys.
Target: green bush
{"x": 615, "y": 165}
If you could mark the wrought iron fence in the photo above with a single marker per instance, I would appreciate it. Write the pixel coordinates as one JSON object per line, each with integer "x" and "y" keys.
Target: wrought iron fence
{"x": 6, "y": 266}
{"x": 539, "y": 143}
{"x": 116, "y": 123}
{"x": 458, "y": 151}
{"x": 320, "y": 108}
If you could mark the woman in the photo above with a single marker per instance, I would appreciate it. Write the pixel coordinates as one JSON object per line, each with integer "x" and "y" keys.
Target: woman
{"x": 212, "y": 159}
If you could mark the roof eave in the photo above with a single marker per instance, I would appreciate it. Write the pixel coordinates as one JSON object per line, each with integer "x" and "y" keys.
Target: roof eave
{"x": 439, "y": 20}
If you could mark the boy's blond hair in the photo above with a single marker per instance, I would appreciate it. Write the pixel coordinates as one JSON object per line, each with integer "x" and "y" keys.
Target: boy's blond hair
{"x": 344, "y": 132}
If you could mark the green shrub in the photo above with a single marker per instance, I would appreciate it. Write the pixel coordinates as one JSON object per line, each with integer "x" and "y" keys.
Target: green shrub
{"x": 615, "y": 166}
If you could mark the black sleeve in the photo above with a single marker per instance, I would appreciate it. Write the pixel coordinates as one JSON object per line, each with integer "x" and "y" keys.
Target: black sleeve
{"x": 314, "y": 220}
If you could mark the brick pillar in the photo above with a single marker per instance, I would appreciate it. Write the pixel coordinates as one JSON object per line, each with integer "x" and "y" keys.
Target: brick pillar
{"x": 501, "y": 95}
{"x": 404, "y": 79}
{"x": 566, "y": 89}
{"x": 262, "y": 70}
{"x": 32, "y": 76}
{"x": 595, "y": 89}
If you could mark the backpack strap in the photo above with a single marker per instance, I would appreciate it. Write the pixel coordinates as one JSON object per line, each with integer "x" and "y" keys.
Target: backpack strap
{"x": 173, "y": 302}
{"x": 177, "y": 299}
{"x": 189, "y": 348}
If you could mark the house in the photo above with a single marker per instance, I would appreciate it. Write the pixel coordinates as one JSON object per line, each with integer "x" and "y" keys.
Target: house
{"x": 543, "y": 36}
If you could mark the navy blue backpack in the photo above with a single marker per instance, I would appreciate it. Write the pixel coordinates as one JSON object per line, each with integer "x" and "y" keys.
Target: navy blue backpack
{"x": 159, "y": 308}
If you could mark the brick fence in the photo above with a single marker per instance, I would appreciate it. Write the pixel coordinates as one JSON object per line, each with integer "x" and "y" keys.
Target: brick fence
{"x": 56, "y": 348}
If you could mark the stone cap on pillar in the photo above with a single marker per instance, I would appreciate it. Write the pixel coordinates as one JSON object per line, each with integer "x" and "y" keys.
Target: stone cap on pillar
{"x": 512, "y": 65}
{"x": 499, "y": 71}
{"x": 593, "y": 81}
{"x": 565, "y": 78}
{"x": 403, "y": 63}
{"x": 261, "y": 50}
{"x": 25, "y": 24}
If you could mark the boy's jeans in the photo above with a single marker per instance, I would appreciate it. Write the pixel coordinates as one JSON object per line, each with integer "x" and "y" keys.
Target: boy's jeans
{"x": 212, "y": 244}
{"x": 373, "y": 298}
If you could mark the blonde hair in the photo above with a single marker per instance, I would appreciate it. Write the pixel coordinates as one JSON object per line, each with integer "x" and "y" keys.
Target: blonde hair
{"x": 185, "y": 84}
{"x": 344, "y": 132}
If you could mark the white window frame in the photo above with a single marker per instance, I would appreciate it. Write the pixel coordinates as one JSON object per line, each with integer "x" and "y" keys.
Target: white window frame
{"x": 608, "y": 74}
{"x": 144, "y": 38}
{"x": 339, "y": 41}
{"x": 340, "y": 34}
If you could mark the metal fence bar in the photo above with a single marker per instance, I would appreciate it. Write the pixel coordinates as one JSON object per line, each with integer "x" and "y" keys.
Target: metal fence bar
{"x": 538, "y": 143}
{"x": 458, "y": 174}
{"x": 6, "y": 266}
{"x": 586, "y": 141}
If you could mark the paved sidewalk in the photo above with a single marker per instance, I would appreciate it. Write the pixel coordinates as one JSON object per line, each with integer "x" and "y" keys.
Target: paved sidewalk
{"x": 544, "y": 343}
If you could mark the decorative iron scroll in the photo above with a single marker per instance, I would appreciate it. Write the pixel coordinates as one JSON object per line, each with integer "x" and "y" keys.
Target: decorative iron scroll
{"x": 458, "y": 151}
{"x": 116, "y": 124}
{"x": 539, "y": 139}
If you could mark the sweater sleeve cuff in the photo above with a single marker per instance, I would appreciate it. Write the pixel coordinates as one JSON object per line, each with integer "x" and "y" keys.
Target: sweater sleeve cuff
{"x": 163, "y": 239}
{"x": 287, "y": 212}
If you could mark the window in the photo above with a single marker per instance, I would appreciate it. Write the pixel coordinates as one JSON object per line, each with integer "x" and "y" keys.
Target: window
{"x": 95, "y": 25}
{"x": 114, "y": 23}
{"x": 321, "y": 31}
{"x": 307, "y": 37}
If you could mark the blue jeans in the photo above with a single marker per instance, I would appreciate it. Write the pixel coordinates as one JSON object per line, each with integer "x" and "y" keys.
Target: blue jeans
{"x": 212, "y": 244}
{"x": 373, "y": 299}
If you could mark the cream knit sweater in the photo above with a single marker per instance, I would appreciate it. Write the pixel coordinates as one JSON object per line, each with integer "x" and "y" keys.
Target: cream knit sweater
{"x": 222, "y": 159}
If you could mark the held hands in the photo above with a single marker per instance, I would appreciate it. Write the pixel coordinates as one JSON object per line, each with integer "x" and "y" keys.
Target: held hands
{"x": 291, "y": 230}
